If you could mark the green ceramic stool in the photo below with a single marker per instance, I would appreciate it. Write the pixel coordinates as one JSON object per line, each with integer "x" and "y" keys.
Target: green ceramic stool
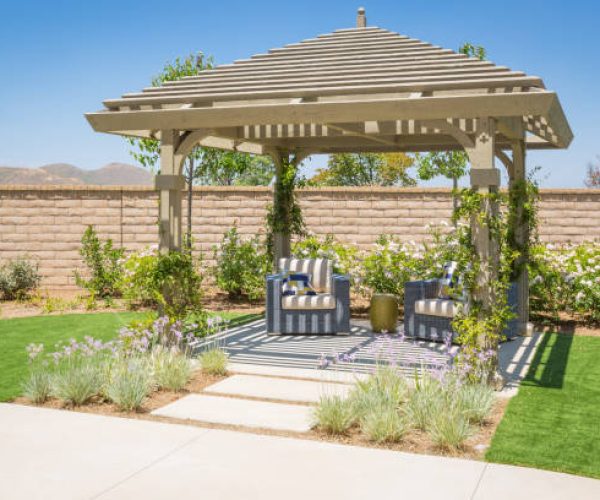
{"x": 384, "y": 312}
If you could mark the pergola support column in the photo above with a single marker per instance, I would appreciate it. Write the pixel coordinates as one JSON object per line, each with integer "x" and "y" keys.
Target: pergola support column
{"x": 282, "y": 245}
{"x": 170, "y": 184}
{"x": 485, "y": 178}
{"x": 517, "y": 176}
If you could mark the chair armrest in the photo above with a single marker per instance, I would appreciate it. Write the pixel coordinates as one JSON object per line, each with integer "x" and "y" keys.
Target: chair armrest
{"x": 418, "y": 290}
{"x": 274, "y": 282}
{"x": 341, "y": 287}
{"x": 273, "y": 303}
{"x": 413, "y": 291}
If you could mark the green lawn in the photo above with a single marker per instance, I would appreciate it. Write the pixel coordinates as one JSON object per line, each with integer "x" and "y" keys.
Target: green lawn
{"x": 17, "y": 333}
{"x": 554, "y": 421}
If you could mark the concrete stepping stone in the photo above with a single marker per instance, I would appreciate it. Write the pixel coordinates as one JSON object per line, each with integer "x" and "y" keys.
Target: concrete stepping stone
{"x": 232, "y": 411}
{"x": 328, "y": 375}
{"x": 301, "y": 391}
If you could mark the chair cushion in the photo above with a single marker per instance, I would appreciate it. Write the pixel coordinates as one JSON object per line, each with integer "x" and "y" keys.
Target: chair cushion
{"x": 320, "y": 271}
{"x": 308, "y": 302}
{"x": 438, "y": 307}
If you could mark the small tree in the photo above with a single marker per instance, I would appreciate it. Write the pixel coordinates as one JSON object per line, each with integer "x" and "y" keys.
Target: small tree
{"x": 592, "y": 179}
{"x": 230, "y": 168}
{"x": 365, "y": 169}
{"x": 104, "y": 265}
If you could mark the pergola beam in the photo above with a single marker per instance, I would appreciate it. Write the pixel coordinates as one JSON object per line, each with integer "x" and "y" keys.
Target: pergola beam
{"x": 354, "y": 130}
{"x": 424, "y": 108}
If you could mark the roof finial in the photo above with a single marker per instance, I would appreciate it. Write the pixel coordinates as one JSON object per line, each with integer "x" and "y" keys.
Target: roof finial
{"x": 361, "y": 18}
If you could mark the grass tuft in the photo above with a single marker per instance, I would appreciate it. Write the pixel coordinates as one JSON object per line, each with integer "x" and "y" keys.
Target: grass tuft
{"x": 214, "y": 361}
{"x": 75, "y": 383}
{"x": 172, "y": 370}
{"x": 385, "y": 389}
{"x": 476, "y": 401}
{"x": 37, "y": 388}
{"x": 129, "y": 384}
{"x": 334, "y": 414}
{"x": 384, "y": 425}
{"x": 425, "y": 401}
{"x": 450, "y": 427}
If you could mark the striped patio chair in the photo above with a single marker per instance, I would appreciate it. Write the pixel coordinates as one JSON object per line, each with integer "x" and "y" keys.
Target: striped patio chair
{"x": 324, "y": 312}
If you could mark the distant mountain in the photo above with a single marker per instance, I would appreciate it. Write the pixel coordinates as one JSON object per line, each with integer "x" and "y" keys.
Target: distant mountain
{"x": 113, "y": 174}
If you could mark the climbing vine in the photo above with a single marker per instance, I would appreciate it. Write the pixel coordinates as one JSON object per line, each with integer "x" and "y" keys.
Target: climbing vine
{"x": 284, "y": 215}
{"x": 486, "y": 283}
{"x": 479, "y": 326}
{"x": 524, "y": 214}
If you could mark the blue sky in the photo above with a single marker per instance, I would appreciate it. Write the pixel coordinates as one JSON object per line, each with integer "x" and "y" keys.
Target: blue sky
{"x": 61, "y": 58}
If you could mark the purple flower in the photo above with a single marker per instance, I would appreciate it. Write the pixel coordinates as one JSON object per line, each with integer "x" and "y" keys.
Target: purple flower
{"x": 323, "y": 361}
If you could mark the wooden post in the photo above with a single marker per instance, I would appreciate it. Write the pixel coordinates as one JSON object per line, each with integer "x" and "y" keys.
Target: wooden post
{"x": 281, "y": 239}
{"x": 170, "y": 184}
{"x": 485, "y": 178}
{"x": 518, "y": 175}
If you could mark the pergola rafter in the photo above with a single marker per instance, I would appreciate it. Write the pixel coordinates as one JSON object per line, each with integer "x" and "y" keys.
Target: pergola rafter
{"x": 354, "y": 90}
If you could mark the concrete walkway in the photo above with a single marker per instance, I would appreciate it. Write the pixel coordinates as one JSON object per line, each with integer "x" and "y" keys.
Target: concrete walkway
{"x": 52, "y": 454}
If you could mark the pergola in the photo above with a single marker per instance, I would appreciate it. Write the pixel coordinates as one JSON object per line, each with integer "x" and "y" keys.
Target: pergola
{"x": 362, "y": 89}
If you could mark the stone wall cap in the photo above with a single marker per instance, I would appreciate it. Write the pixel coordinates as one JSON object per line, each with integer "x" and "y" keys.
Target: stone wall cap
{"x": 311, "y": 189}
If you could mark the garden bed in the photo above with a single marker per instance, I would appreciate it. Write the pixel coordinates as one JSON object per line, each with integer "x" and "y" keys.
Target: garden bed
{"x": 413, "y": 442}
{"x": 73, "y": 302}
{"x": 157, "y": 399}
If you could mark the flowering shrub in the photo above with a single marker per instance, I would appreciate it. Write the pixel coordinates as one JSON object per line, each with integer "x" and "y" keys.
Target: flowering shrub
{"x": 566, "y": 278}
{"x": 562, "y": 278}
{"x": 18, "y": 278}
{"x": 138, "y": 268}
{"x": 389, "y": 265}
{"x": 345, "y": 257}
{"x": 144, "y": 336}
{"x": 241, "y": 266}
{"x": 168, "y": 280}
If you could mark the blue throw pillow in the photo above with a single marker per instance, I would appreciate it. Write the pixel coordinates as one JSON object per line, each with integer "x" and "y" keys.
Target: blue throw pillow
{"x": 297, "y": 284}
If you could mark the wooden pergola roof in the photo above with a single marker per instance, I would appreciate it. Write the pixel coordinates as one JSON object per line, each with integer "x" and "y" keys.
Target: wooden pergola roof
{"x": 358, "y": 89}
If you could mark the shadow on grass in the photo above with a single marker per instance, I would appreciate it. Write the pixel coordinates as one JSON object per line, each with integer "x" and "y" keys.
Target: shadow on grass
{"x": 549, "y": 364}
